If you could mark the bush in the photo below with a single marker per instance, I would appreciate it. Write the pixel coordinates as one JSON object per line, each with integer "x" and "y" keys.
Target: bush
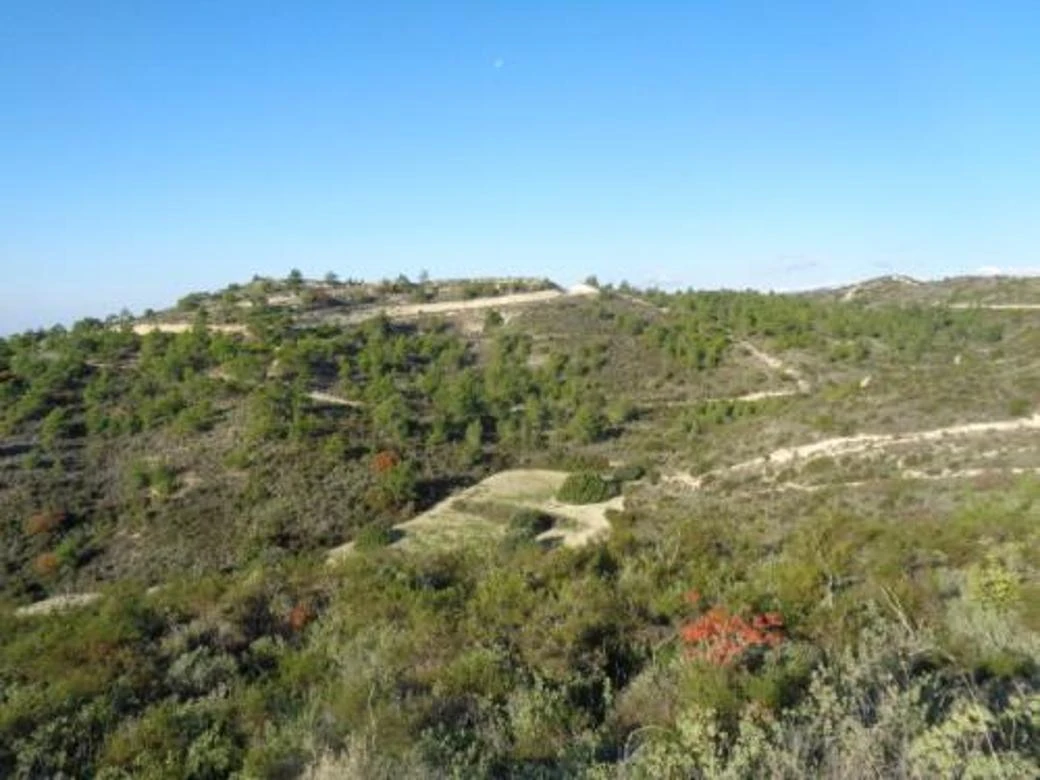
{"x": 375, "y": 536}
{"x": 46, "y": 564}
{"x": 525, "y": 526}
{"x": 586, "y": 487}
{"x": 629, "y": 473}
{"x": 384, "y": 461}
{"x": 45, "y": 522}
{"x": 1019, "y": 407}
{"x": 530, "y": 522}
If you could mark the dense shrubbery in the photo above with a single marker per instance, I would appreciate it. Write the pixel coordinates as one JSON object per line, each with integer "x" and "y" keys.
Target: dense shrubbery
{"x": 144, "y": 421}
{"x": 830, "y": 639}
{"x": 429, "y": 662}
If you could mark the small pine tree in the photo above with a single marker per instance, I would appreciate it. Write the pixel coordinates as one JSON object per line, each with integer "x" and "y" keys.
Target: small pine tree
{"x": 586, "y": 487}
{"x": 474, "y": 442}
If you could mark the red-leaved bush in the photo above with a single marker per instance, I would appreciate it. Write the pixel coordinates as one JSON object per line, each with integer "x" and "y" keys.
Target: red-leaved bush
{"x": 723, "y": 638}
{"x": 44, "y": 522}
{"x": 384, "y": 461}
{"x": 46, "y": 564}
{"x": 300, "y": 615}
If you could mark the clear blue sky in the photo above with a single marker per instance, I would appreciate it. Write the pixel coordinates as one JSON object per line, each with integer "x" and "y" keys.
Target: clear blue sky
{"x": 149, "y": 149}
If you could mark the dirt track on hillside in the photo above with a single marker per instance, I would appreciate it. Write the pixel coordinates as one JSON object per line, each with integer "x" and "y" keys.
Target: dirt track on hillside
{"x": 998, "y": 306}
{"x": 776, "y": 364}
{"x": 61, "y": 603}
{"x": 143, "y": 328}
{"x": 407, "y": 311}
{"x": 327, "y": 398}
{"x": 851, "y": 445}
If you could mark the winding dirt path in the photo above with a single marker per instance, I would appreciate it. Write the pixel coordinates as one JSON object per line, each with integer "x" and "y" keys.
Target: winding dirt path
{"x": 776, "y": 364}
{"x": 998, "y": 306}
{"x": 850, "y": 445}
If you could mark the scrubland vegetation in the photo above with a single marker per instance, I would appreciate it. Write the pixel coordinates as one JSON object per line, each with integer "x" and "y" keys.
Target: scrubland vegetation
{"x": 870, "y": 614}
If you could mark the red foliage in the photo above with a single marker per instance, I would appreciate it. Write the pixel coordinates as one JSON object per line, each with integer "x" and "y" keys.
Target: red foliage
{"x": 300, "y": 616}
{"x": 384, "y": 461}
{"x": 45, "y": 522}
{"x": 722, "y": 638}
{"x": 46, "y": 564}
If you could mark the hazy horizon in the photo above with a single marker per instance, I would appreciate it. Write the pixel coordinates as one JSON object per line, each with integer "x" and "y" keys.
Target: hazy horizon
{"x": 151, "y": 152}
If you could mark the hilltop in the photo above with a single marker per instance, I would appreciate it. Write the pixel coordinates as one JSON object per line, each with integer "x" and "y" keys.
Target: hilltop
{"x": 500, "y": 527}
{"x": 958, "y": 291}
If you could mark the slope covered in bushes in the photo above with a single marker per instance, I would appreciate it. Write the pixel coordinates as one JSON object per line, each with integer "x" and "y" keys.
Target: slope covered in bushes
{"x": 874, "y": 614}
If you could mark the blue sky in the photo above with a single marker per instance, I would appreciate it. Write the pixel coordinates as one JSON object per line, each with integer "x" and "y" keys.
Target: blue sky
{"x": 151, "y": 149}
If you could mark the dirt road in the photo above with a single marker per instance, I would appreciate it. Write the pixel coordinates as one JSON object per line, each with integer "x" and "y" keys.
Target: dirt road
{"x": 61, "y": 603}
{"x": 848, "y": 445}
{"x": 407, "y": 311}
{"x": 143, "y": 328}
{"x": 998, "y": 306}
{"x": 327, "y": 398}
{"x": 776, "y": 364}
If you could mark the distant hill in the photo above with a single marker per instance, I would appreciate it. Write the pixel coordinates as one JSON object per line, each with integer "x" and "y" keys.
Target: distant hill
{"x": 960, "y": 290}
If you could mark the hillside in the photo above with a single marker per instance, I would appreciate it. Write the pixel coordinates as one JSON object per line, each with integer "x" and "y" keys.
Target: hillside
{"x": 957, "y": 291}
{"x": 302, "y": 528}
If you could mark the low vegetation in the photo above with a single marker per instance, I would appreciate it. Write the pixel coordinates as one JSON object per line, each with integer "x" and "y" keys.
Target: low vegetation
{"x": 870, "y": 612}
{"x": 586, "y": 487}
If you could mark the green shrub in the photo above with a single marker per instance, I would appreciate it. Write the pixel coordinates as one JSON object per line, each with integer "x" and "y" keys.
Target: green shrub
{"x": 525, "y": 525}
{"x": 530, "y": 522}
{"x": 586, "y": 487}
{"x": 628, "y": 473}
{"x": 163, "y": 480}
{"x": 1018, "y": 407}
{"x": 375, "y": 536}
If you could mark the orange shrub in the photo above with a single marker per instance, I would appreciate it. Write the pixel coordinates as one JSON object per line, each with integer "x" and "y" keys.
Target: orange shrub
{"x": 384, "y": 461}
{"x": 46, "y": 564}
{"x": 45, "y": 522}
{"x": 722, "y": 638}
{"x": 300, "y": 616}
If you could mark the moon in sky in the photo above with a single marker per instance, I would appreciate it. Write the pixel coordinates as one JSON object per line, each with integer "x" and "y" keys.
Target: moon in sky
{"x": 498, "y": 63}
